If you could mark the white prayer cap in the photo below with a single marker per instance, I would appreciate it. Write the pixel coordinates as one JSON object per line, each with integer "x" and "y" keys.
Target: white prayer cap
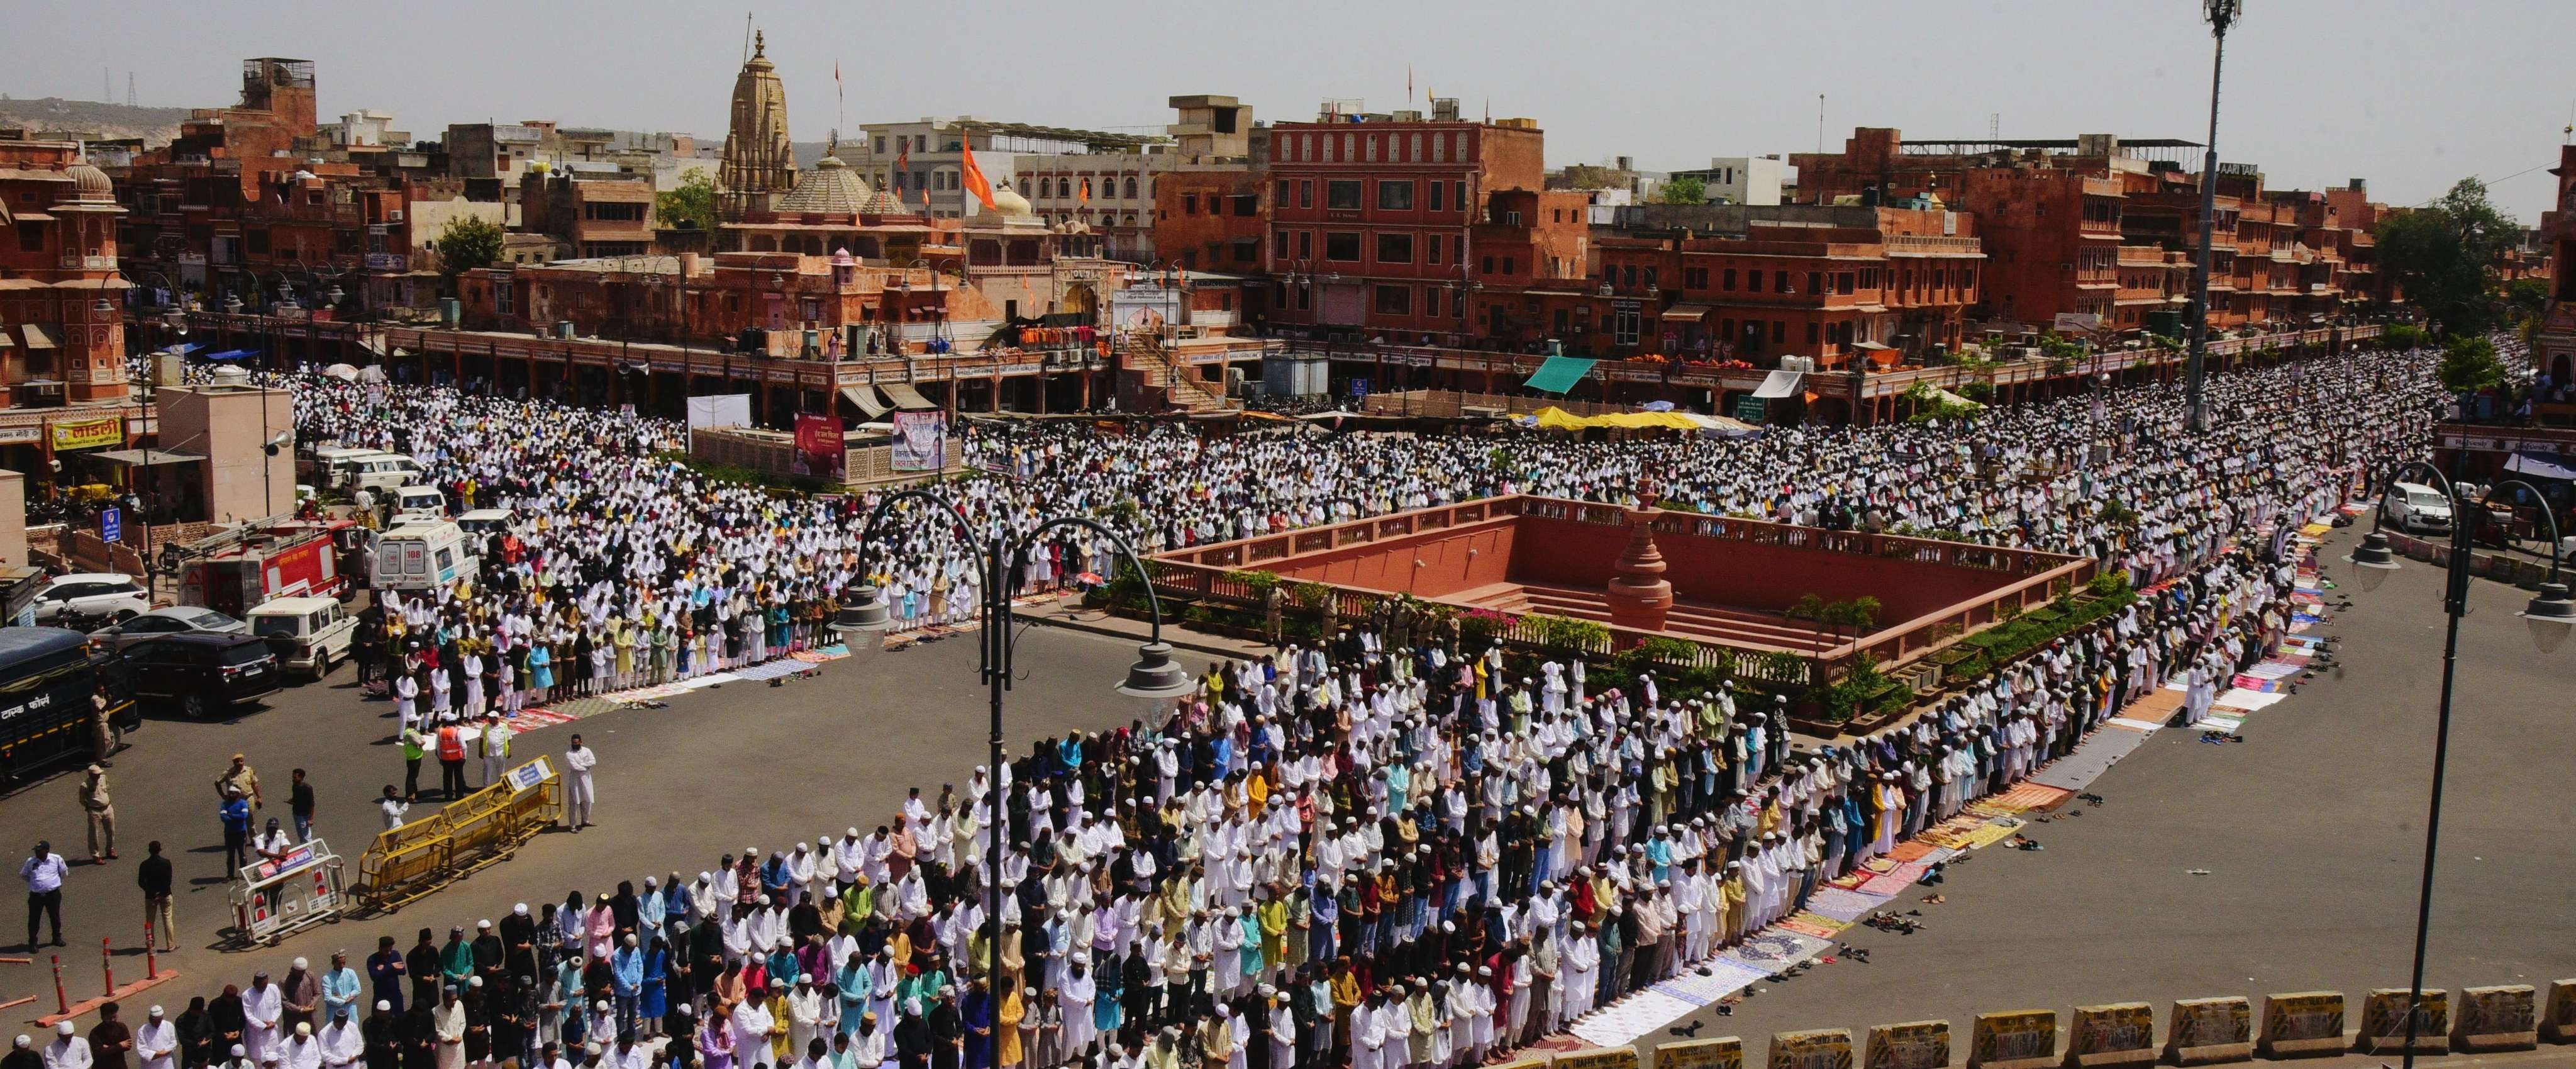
{"x": 853, "y": 833}
{"x": 521, "y": 909}
{"x": 154, "y": 1011}
{"x": 301, "y": 964}
{"x": 302, "y": 1028}
{"x": 381, "y": 1004}
{"x": 64, "y": 1027}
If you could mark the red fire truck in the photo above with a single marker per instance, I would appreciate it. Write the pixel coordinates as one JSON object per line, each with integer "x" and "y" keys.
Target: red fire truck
{"x": 234, "y": 572}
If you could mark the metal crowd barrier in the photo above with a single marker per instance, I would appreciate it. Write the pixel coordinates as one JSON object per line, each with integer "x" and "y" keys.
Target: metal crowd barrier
{"x": 480, "y": 829}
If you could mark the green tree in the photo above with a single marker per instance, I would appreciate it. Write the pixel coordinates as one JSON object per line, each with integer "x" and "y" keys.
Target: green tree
{"x": 2444, "y": 256}
{"x": 1683, "y": 189}
{"x": 2469, "y": 365}
{"x": 469, "y": 242}
{"x": 2525, "y": 298}
{"x": 690, "y": 207}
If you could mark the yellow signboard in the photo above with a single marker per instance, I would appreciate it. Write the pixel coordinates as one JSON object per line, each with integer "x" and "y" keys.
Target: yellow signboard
{"x": 88, "y": 433}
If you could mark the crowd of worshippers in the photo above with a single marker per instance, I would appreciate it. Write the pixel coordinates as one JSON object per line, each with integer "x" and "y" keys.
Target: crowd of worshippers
{"x": 1380, "y": 851}
{"x": 632, "y": 569}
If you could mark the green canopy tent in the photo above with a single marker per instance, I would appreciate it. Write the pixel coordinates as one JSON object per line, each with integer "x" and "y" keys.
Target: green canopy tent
{"x": 1559, "y": 374}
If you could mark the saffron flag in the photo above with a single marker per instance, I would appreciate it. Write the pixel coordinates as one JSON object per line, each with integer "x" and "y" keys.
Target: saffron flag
{"x": 973, "y": 177}
{"x": 1086, "y": 191}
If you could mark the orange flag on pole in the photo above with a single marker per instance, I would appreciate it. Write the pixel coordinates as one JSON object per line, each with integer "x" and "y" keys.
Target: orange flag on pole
{"x": 973, "y": 177}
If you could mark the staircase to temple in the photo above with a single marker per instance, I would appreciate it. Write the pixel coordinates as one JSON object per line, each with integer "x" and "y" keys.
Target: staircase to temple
{"x": 1164, "y": 381}
{"x": 1687, "y": 619}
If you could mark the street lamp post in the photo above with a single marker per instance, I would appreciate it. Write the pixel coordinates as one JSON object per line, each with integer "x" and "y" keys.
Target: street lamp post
{"x": 1155, "y": 674}
{"x": 2221, "y": 14}
{"x": 2550, "y": 615}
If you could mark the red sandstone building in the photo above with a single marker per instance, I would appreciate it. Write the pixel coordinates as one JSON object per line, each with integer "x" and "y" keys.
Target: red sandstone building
{"x": 1400, "y": 227}
{"x": 1835, "y": 284}
{"x": 62, "y": 331}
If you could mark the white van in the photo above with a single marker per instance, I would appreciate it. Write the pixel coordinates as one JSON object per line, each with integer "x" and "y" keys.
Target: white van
{"x": 412, "y": 503}
{"x": 330, "y": 463}
{"x": 423, "y": 556}
{"x": 484, "y": 523}
{"x": 388, "y": 471}
{"x": 306, "y": 634}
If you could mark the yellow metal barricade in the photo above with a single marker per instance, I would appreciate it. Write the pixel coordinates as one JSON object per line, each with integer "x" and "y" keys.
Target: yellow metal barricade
{"x": 464, "y": 835}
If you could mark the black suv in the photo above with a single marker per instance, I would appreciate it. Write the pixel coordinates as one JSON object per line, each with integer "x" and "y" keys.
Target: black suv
{"x": 200, "y": 673}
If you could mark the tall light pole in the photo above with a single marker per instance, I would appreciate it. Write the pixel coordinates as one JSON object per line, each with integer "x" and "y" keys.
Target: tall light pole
{"x": 1155, "y": 675}
{"x": 2221, "y": 15}
{"x": 2550, "y": 616}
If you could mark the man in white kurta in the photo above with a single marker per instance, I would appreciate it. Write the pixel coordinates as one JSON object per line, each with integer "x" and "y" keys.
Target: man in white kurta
{"x": 301, "y": 1050}
{"x": 156, "y": 1044}
{"x": 261, "y": 1006}
{"x": 580, "y": 793}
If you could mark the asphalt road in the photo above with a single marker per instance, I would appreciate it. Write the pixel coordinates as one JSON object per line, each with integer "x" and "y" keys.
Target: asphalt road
{"x": 745, "y": 764}
{"x": 2312, "y": 830}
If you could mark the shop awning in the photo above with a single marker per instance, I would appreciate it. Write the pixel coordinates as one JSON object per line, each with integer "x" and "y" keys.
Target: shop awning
{"x": 145, "y": 458}
{"x": 1687, "y": 312}
{"x": 233, "y": 354}
{"x": 1780, "y": 384}
{"x": 905, "y": 397}
{"x": 38, "y": 337}
{"x": 864, "y": 398}
{"x": 186, "y": 347}
{"x": 2529, "y": 464}
{"x": 1559, "y": 374}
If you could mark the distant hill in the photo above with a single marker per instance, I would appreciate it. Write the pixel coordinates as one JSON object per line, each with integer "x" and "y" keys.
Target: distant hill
{"x": 808, "y": 153}
{"x": 155, "y": 126}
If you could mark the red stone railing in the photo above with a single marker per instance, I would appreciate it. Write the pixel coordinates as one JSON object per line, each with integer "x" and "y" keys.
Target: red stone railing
{"x": 1207, "y": 573}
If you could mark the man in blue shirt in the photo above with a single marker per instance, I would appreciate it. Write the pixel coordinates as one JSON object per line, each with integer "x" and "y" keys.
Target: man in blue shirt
{"x": 339, "y": 990}
{"x": 626, "y": 981}
{"x": 44, "y": 871}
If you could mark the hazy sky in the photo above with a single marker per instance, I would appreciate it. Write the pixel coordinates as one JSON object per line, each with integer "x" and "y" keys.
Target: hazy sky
{"x": 2409, "y": 94}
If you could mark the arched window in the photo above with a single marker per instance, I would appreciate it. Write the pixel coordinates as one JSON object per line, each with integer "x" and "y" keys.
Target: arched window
{"x": 1130, "y": 192}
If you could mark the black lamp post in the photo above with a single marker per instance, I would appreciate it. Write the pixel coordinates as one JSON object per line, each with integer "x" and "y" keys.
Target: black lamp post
{"x": 1155, "y": 674}
{"x": 2550, "y": 615}
{"x": 2221, "y": 15}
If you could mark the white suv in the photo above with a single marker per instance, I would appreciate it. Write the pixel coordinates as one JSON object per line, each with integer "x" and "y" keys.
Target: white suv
{"x": 105, "y": 596}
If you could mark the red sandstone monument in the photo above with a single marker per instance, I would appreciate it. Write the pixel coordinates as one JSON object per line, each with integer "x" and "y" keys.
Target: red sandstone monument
{"x": 1639, "y": 596}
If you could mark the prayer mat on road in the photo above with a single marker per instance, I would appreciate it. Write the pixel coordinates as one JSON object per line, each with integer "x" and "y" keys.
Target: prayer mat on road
{"x": 1806, "y": 923}
{"x": 1998, "y": 830}
{"x": 1724, "y": 978}
{"x": 1911, "y": 850}
{"x": 2078, "y": 770}
{"x": 1623, "y": 1022}
{"x": 2026, "y": 796}
{"x": 1773, "y": 949}
{"x": 2146, "y": 727}
{"x": 1843, "y": 905}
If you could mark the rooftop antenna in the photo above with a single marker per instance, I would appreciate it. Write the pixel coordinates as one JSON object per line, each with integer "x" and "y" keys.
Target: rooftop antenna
{"x": 1820, "y": 124}
{"x": 129, "y": 89}
{"x": 746, "y": 36}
